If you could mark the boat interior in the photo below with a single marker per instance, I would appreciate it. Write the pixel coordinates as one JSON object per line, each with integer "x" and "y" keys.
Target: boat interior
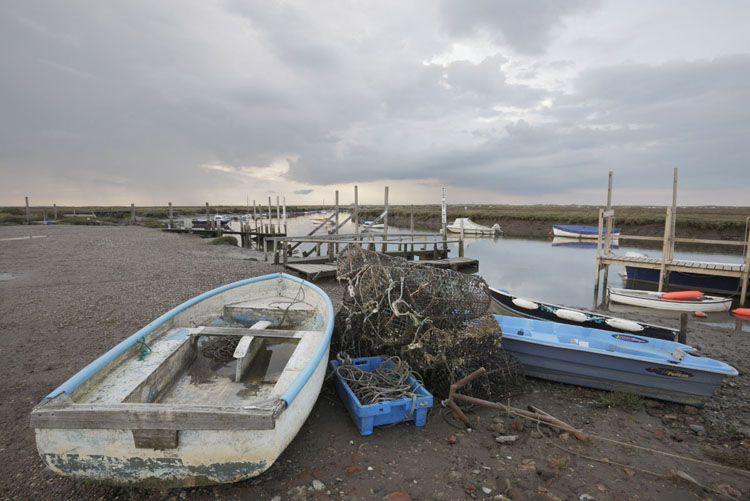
{"x": 241, "y": 352}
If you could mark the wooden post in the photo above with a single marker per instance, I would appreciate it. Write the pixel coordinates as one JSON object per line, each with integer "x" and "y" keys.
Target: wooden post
{"x": 171, "y": 223}
{"x": 275, "y": 252}
{"x": 270, "y": 216}
{"x": 746, "y": 272}
{"x": 385, "y": 223}
{"x": 356, "y": 210}
{"x": 336, "y": 221}
{"x": 674, "y": 216}
{"x": 285, "y": 250}
{"x": 411, "y": 229}
{"x": 283, "y": 206}
{"x": 682, "y": 335}
{"x": 444, "y": 219}
{"x": 28, "y": 212}
{"x": 54, "y": 208}
{"x": 278, "y": 216}
{"x": 132, "y": 212}
{"x": 608, "y": 235}
{"x": 598, "y": 258}
{"x": 665, "y": 248}
{"x": 208, "y": 220}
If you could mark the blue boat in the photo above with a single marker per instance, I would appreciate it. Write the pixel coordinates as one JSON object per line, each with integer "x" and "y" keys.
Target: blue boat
{"x": 684, "y": 280}
{"x": 580, "y": 231}
{"x": 654, "y": 368}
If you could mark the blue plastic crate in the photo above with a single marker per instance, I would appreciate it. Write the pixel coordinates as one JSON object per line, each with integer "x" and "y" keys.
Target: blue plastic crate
{"x": 391, "y": 411}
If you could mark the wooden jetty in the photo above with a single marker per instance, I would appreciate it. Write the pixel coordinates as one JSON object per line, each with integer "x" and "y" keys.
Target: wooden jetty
{"x": 666, "y": 263}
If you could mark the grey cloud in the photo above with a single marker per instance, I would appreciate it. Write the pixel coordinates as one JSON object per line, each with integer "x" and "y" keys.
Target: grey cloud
{"x": 303, "y": 192}
{"x": 526, "y": 25}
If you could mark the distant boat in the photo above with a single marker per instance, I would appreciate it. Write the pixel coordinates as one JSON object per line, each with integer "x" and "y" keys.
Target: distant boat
{"x": 580, "y": 231}
{"x": 373, "y": 225}
{"x": 218, "y": 219}
{"x": 562, "y": 314}
{"x": 600, "y": 359}
{"x": 210, "y": 392}
{"x": 472, "y": 228}
{"x": 663, "y": 301}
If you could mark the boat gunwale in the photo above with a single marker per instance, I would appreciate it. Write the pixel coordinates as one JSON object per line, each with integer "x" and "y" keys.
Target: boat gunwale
{"x": 599, "y": 351}
{"x": 288, "y": 396}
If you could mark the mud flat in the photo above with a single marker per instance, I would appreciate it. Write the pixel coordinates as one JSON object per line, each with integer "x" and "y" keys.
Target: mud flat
{"x": 76, "y": 291}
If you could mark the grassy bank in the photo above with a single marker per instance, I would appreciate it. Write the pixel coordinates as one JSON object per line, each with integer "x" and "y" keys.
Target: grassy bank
{"x": 725, "y": 221}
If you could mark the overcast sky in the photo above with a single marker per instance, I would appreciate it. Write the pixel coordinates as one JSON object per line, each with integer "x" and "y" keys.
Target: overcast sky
{"x": 499, "y": 101}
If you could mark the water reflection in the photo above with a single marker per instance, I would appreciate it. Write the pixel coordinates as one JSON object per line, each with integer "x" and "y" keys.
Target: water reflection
{"x": 538, "y": 268}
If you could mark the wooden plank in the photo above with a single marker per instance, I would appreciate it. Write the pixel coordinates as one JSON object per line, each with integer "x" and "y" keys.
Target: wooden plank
{"x": 154, "y": 417}
{"x": 240, "y": 331}
{"x": 155, "y": 439}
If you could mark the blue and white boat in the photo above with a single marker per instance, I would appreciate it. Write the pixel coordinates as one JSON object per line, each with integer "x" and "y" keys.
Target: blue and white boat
{"x": 654, "y": 368}
{"x": 580, "y": 231}
{"x": 218, "y": 220}
{"x": 210, "y": 392}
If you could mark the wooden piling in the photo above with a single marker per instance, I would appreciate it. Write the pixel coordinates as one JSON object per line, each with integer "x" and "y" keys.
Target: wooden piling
{"x": 385, "y": 222}
{"x": 28, "y": 212}
{"x": 171, "y": 222}
{"x": 665, "y": 248}
{"x": 356, "y": 211}
{"x": 54, "y": 208}
{"x": 132, "y": 212}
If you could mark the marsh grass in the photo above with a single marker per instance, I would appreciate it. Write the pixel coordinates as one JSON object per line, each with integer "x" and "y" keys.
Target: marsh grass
{"x": 225, "y": 240}
{"x": 623, "y": 401}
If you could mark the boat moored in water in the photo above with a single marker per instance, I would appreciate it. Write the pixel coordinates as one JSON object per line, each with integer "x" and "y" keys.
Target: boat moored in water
{"x": 210, "y": 392}
{"x": 595, "y": 358}
{"x": 665, "y": 301}
{"x": 580, "y": 231}
{"x": 469, "y": 227}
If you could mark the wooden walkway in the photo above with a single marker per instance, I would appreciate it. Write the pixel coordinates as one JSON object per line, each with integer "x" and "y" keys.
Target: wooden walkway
{"x": 315, "y": 270}
{"x": 701, "y": 267}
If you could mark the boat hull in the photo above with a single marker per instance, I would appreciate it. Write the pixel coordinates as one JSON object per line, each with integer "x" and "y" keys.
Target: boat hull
{"x": 572, "y": 358}
{"x": 154, "y": 435}
{"x": 546, "y": 311}
{"x": 646, "y": 299}
{"x": 683, "y": 280}
{"x": 203, "y": 457}
{"x": 580, "y": 231}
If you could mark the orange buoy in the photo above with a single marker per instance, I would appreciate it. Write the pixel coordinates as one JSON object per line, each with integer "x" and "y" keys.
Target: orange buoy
{"x": 741, "y": 311}
{"x": 682, "y": 295}
{"x": 699, "y": 314}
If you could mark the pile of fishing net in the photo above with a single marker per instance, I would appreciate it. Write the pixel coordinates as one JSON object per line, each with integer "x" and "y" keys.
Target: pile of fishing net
{"x": 436, "y": 320}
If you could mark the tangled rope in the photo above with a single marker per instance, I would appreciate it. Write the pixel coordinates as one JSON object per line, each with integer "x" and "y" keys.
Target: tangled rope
{"x": 389, "y": 381}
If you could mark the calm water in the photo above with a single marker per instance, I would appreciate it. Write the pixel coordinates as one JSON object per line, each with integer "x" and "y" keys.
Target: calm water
{"x": 549, "y": 271}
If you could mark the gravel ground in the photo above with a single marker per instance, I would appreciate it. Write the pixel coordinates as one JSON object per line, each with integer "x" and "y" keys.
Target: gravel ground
{"x": 72, "y": 292}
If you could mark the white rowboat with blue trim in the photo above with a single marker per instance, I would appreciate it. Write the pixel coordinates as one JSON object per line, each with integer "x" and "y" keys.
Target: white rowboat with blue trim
{"x": 211, "y": 392}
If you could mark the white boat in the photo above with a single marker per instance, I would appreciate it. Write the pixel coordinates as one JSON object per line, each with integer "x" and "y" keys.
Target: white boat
{"x": 472, "y": 228}
{"x": 662, "y": 301}
{"x": 580, "y": 231}
{"x": 210, "y": 392}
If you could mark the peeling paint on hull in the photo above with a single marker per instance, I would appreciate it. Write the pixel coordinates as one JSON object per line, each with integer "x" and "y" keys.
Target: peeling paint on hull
{"x": 143, "y": 472}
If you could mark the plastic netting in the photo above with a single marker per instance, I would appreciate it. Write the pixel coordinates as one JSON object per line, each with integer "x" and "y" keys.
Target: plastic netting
{"x": 436, "y": 320}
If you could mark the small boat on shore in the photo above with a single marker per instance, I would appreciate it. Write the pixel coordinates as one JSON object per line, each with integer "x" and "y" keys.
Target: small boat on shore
{"x": 580, "y": 231}
{"x": 211, "y": 392}
{"x": 695, "y": 301}
{"x": 556, "y": 313}
{"x": 594, "y": 358}
{"x": 472, "y": 228}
